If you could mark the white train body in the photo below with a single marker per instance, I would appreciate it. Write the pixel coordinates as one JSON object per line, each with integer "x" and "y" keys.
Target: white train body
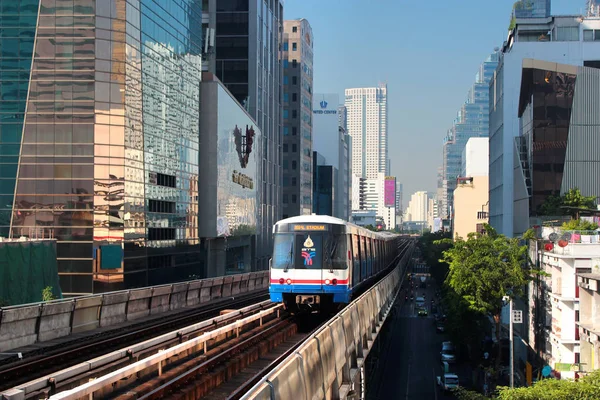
{"x": 321, "y": 261}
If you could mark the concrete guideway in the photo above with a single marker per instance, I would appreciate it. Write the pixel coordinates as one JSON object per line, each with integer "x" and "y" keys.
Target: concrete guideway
{"x": 126, "y": 355}
{"x": 27, "y": 324}
{"x": 155, "y": 361}
{"x": 330, "y": 363}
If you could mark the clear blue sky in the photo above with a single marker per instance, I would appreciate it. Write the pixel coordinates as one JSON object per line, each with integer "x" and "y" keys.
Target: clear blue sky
{"x": 428, "y": 53}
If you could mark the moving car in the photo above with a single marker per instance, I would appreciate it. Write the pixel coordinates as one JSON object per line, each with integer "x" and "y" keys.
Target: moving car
{"x": 448, "y": 381}
{"x": 447, "y": 354}
{"x": 422, "y": 312}
{"x": 439, "y": 327}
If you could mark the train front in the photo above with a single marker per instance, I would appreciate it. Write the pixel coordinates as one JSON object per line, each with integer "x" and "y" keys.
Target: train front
{"x": 309, "y": 268}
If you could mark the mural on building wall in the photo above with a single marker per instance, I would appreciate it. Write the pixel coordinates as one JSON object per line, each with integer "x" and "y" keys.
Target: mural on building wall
{"x": 237, "y": 159}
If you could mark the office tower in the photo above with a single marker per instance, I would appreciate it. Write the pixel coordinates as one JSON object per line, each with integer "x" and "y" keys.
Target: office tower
{"x": 297, "y": 59}
{"x": 366, "y": 119}
{"x": 573, "y": 39}
{"x": 472, "y": 121}
{"x": 342, "y": 118}
{"x": 417, "y": 209}
{"x": 593, "y": 8}
{"x": 246, "y": 58}
{"x": 332, "y": 142}
{"x": 99, "y": 137}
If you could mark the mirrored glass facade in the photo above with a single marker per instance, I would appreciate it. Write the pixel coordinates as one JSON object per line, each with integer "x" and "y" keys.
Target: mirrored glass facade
{"x": 107, "y": 155}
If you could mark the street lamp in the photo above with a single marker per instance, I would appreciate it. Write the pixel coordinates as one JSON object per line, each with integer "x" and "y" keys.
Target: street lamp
{"x": 509, "y": 300}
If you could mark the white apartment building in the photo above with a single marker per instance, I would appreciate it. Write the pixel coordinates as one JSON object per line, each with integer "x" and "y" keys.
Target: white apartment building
{"x": 367, "y": 124}
{"x": 571, "y": 40}
{"x": 417, "y": 207}
{"x": 568, "y": 257}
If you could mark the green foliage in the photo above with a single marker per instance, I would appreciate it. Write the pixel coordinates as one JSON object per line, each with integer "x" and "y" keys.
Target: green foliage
{"x": 465, "y": 394}
{"x": 485, "y": 268}
{"x": 586, "y": 388}
{"x": 432, "y": 246}
{"x": 573, "y": 198}
{"x": 47, "y": 294}
{"x": 372, "y": 228}
{"x": 512, "y": 24}
{"x": 579, "y": 225}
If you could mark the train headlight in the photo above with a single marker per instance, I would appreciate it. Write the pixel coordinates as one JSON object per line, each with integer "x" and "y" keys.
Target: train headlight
{"x": 281, "y": 281}
{"x": 327, "y": 281}
{"x": 334, "y": 281}
{"x": 289, "y": 281}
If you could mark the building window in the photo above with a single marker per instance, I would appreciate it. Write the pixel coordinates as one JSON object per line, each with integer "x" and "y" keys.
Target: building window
{"x": 286, "y": 63}
{"x": 286, "y": 97}
{"x": 285, "y": 114}
{"x": 286, "y": 46}
{"x": 294, "y": 148}
{"x": 294, "y": 96}
{"x": 294, "y": 46}
{"x": 285, "y": 148}
{"x": 294, "y": 80}
{"x": 293, "y": 164}
{"x": 286, "y": 80}
{"x": 294, "y": 63}
{"x": 294, "y": 182}
{"x": 286, "y": 130}
{"x": 294, "y": 29}
{"x": 567, "y": 34}
{"x": 294, "y": 131}
{"x": 294, "y": 199}
{"x": 285, "y": 164}
{"x": 294, "y": 114}
{"x": 285, "y": 198}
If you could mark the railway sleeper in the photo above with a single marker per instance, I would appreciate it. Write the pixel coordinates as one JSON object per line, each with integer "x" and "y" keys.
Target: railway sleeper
{"x": 180, "y": 364}
{"x": 205, "y": 384}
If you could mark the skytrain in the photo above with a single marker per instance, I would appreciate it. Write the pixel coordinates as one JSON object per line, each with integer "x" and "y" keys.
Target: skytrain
{"x": 320, "y": 262}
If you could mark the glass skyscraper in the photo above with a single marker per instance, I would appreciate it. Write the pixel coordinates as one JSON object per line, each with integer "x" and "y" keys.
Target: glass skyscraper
{"x": 99, "y": 137}
{"x": 472, "y": 121}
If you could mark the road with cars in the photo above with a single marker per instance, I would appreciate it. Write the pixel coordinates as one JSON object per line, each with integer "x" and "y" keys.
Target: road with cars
{"x": 410, "y": 361}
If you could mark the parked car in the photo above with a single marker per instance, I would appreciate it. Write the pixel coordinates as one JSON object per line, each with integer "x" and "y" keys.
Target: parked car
{"x": 439, "y": 327}
{"x": 448, "y": 352}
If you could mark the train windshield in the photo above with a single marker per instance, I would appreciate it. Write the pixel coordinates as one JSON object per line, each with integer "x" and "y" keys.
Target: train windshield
{"x": 309, "y": 250}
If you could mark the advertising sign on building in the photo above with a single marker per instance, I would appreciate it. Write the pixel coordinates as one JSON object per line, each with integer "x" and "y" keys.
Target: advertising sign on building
{"x": 389, "y": 191}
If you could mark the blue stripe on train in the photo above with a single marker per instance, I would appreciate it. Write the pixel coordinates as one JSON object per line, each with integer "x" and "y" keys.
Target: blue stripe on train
{"x": 341, "y": 293}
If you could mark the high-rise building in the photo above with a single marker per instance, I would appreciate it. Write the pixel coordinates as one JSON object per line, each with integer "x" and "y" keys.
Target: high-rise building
{"x": 571, "y": 39}
{"x": 367, "y": 123}
{"x": 417, "y": 207}
{"x": 472, "y": 121}
{"x": 342, "y": 118}
{"x": 399, "y": 203}
{"x": 297, "y": 56}
{"x": 332, "y": 142}
{"x": 99, "y": 133}
{"x": 532, "y": 9}
{"x": 246, "y": 58}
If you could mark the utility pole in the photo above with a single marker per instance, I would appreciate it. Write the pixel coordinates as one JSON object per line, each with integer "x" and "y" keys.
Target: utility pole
{"x": 512, "y": 362}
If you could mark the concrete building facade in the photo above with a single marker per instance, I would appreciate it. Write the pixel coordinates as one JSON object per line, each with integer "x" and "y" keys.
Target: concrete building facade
{"x": 244, "y": 53}
{"x": 367, "y": 124}
{"x": 297, "y": 60}
{"x": 559, "y": 39}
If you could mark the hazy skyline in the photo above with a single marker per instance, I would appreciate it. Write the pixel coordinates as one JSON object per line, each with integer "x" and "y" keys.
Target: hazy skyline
{"x": 428, "y": 54}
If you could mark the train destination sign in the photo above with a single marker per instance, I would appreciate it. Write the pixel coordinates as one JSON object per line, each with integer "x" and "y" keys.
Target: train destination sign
{"x": 310, "y": 228}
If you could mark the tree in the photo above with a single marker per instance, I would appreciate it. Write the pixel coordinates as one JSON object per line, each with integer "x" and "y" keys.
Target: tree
{"x": 485, "y": 268}
{"x": 554, "y": 204}
{"x": 432, "y": 246}
{"x": 587, "y": 387}
{"x": 579, "y": 225}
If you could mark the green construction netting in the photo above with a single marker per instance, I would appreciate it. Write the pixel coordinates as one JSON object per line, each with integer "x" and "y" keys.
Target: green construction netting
{"x": 26, "y": 268}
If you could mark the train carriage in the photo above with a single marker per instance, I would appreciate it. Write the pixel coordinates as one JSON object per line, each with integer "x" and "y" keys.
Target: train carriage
{"x": 319, "y": 262}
